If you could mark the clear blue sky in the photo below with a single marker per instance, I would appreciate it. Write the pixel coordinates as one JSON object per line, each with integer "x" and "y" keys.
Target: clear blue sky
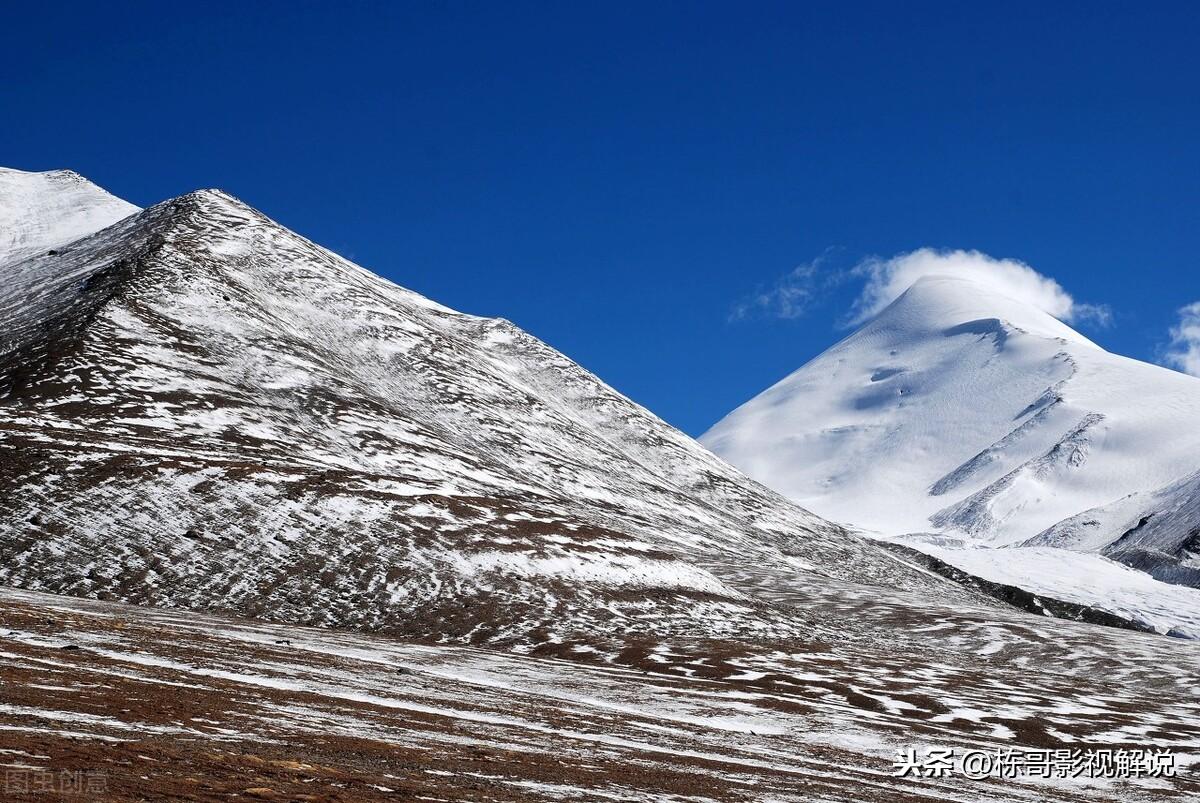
{"x": 616, "y": 178}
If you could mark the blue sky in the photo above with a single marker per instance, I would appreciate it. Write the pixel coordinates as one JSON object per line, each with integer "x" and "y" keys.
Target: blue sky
{"x": 644, "y": 185}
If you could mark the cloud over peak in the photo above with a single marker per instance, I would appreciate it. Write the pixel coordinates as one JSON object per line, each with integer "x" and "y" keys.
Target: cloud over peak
{"x": 806, "y": 286}
{"x": 887, "y": 279}
{"x": 1183, "y": 352}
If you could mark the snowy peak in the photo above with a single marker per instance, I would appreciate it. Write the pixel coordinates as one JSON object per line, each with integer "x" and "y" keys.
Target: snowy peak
{"x": 974, "y": 417}
{"x": 951, "y": 305}
{"x": 40, "y": 211}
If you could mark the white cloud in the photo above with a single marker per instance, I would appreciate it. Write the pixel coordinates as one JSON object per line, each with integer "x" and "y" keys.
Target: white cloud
{"x": 795, "y": 293}
{"x": 1097, "y": 314}
{"x": 792, "y": 295}
{"x": 888, "y": 278}
{"x": 1184, "y": 351}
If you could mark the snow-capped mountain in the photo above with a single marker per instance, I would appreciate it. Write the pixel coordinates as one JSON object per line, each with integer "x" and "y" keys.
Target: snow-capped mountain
{"x": 200, "y": 408}
{"x": 973, "y": 418}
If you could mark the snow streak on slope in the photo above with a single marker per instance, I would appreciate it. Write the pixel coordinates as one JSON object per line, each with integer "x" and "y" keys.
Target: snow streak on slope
{"x": 963, "y": 412}
{"x": 192, "y": 706}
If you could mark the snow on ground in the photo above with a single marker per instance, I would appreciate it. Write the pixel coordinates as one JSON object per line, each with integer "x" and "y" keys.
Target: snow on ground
{"x": 203, "y": 410}
{"x": 208, "y": 410}
{"x": 195, "y": 706}
{"x": 1091, "y": 580}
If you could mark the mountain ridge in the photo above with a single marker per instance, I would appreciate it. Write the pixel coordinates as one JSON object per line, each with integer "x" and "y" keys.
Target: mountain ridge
{"x": 220, "y": 385}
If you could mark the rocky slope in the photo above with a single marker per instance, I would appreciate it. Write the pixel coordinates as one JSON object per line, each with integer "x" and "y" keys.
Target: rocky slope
{"x": 200, "y": 408}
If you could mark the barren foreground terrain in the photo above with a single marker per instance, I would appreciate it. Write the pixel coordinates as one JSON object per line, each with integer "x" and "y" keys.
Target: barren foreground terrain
{"x": 124, "y": 703}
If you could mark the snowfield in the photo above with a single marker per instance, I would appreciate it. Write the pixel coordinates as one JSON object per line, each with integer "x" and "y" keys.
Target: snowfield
{"x": 41, "y": 211}
{"x": 959, "y": 416}
{"x": 1086, "y": 579}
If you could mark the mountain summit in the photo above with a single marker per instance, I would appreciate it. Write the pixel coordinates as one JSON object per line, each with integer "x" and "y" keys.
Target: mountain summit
{"x": 965, "y": 413}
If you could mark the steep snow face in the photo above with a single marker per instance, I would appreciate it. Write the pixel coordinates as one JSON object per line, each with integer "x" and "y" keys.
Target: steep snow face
{"x": 40, "y": 211}
{"x": 966, "y": 413}
{"x": 200, "y": 408}
{"x": 1160, "y": 531}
